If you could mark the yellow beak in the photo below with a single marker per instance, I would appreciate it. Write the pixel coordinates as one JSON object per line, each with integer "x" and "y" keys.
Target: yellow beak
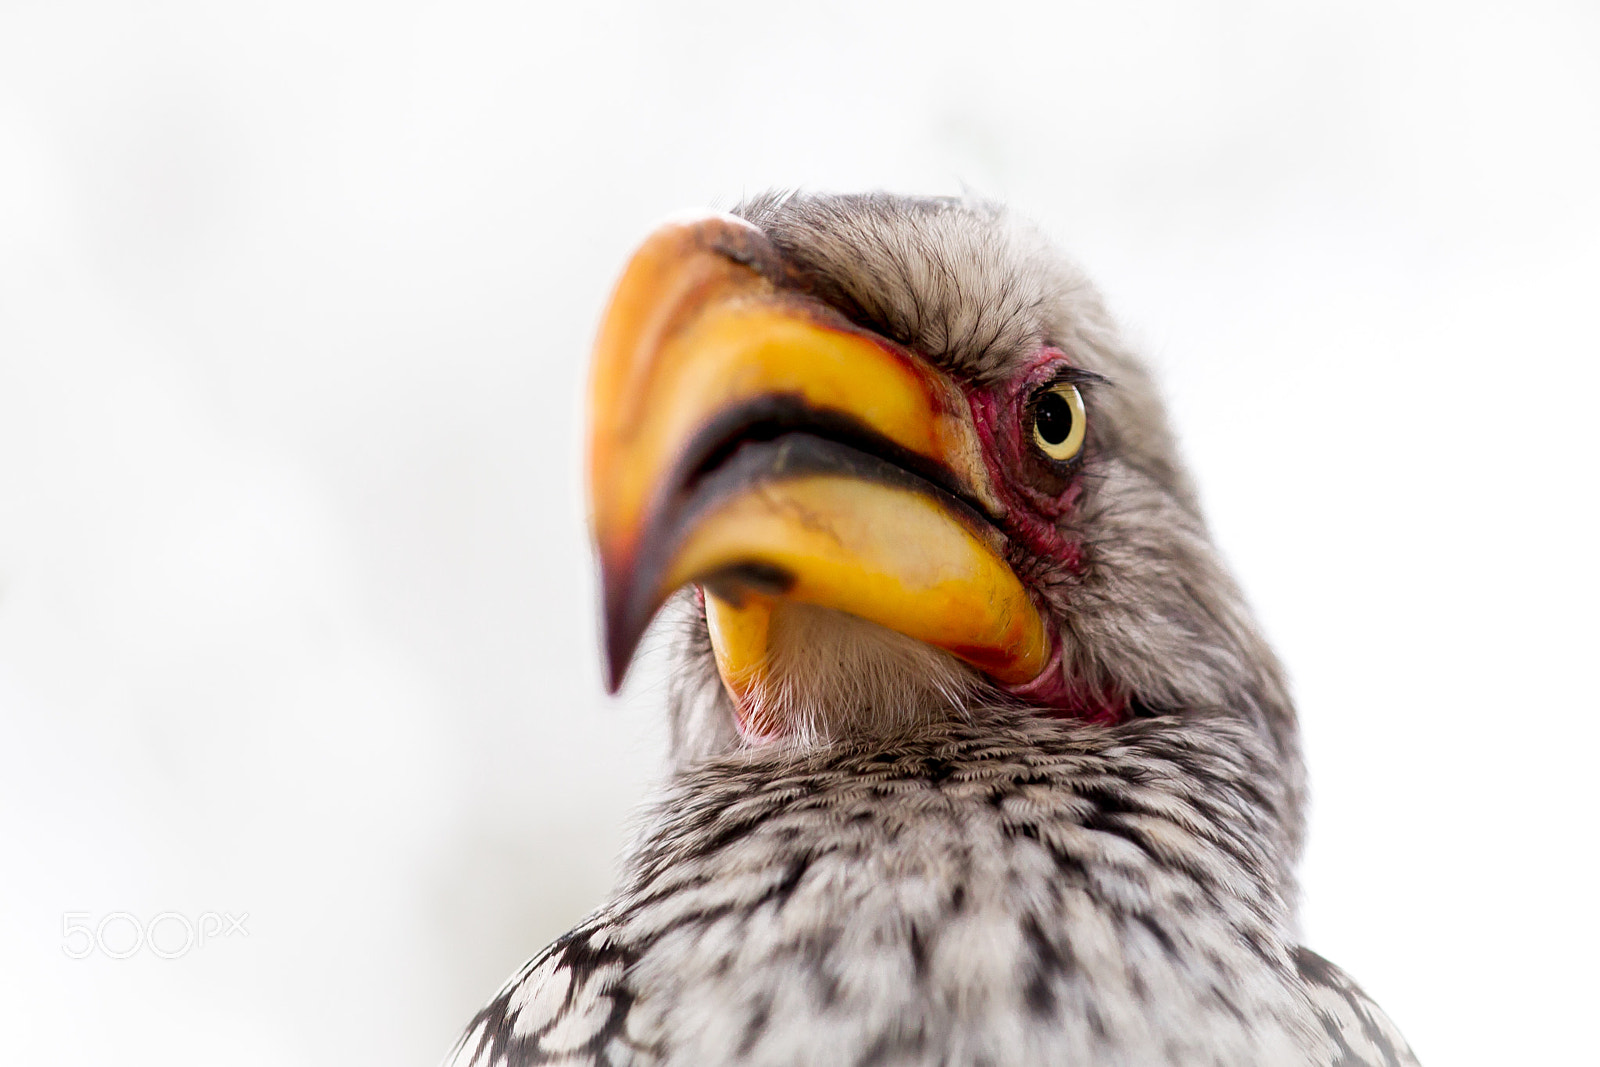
{"x": 747, "y": 438}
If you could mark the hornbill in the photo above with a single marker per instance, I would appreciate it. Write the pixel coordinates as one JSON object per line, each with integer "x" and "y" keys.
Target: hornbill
{"x": 977, "y": 756}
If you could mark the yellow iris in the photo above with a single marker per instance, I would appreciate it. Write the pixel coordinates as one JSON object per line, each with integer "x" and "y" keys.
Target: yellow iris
{"x": 1058, "y": 421}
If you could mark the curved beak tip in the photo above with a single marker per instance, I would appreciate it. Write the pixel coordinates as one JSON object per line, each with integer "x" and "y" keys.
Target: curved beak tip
{"x": 614, "y": 673}
{"x": 621, "y": 631}
{"x": 619, "y": 650}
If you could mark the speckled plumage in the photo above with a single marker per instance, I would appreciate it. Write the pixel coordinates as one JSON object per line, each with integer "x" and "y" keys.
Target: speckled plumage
{"x": 975, "y": 884}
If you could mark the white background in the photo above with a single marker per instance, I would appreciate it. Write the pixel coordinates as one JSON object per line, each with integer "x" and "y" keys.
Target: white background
{"x": 296, "y": 610}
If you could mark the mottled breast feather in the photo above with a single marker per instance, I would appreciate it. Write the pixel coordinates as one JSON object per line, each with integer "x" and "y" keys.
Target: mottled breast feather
{"x": 1002, "y": 891}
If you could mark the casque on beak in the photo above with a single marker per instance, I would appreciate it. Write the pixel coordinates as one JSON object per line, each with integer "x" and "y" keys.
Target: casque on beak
{"x": 747, "y": 438}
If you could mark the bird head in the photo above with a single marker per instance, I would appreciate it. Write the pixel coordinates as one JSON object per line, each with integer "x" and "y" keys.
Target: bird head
{"x": 893, "y": 460}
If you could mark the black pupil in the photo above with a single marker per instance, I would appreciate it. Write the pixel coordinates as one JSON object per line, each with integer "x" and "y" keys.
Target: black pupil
{"x": 1053, "y": 418}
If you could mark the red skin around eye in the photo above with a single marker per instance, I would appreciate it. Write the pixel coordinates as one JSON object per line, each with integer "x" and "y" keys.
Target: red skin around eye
{"x": 1033, "y": 519}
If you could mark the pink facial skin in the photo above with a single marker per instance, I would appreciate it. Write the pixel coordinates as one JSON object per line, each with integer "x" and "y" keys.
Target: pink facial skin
{"x": 1061, "y": 697}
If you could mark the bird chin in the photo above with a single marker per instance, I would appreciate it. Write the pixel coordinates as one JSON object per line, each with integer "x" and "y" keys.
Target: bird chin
{"x": 831, "y": 676}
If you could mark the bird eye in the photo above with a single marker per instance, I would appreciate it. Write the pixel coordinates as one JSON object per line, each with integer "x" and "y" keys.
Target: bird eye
{"x": 1058, "y": 421}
